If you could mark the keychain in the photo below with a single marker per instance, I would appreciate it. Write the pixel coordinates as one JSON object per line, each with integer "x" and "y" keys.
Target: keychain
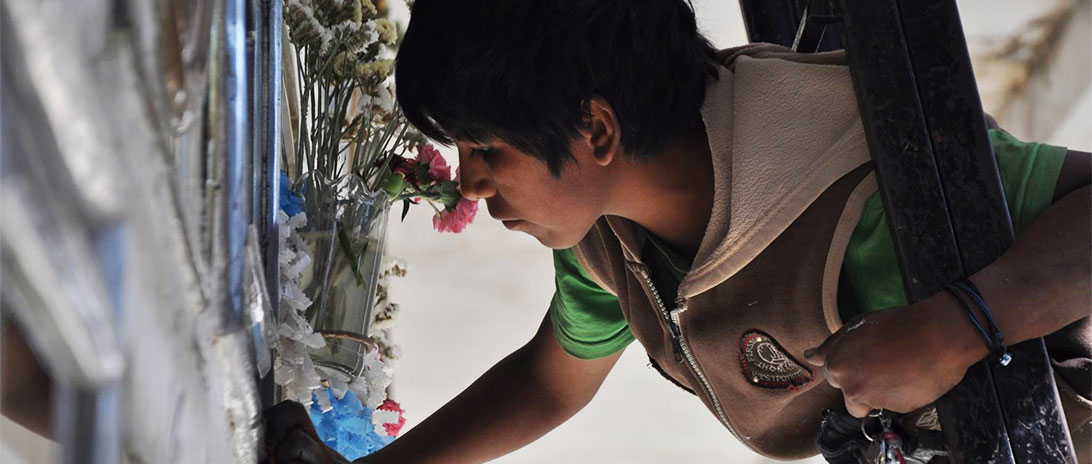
{"x": 887, "y": 446}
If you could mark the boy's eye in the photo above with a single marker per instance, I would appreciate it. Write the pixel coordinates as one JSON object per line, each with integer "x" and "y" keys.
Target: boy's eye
{"x": 483, "y": 153}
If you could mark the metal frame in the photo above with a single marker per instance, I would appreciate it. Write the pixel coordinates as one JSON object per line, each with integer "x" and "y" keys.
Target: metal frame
{"x": 818, "y": 29}
{"x": 58, "y": 239}
{"x": 231, "y": 130}
{"x": 805, "y": 25}
{"x": 126, "y": 217}
{"x": 938, "y": 178}
{"x": 268, "y": 84}
{"x": 772, "y": 21}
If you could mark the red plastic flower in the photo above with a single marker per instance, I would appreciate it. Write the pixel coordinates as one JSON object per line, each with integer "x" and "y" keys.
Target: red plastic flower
{"x": 393, "y": 406}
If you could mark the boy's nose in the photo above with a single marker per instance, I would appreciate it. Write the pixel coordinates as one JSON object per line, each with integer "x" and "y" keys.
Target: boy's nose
{"x": 475, "y": 182}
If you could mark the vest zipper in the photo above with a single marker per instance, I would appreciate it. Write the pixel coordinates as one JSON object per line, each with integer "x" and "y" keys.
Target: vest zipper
{"x": 682, "y": 349}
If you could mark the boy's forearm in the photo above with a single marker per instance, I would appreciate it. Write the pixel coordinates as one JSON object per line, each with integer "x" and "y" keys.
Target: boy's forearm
{"x": 25, "y": 388}
{"x": 1044, "y": 281}
{"x": 502, "y": 411}
{"x": 904, "y": 358}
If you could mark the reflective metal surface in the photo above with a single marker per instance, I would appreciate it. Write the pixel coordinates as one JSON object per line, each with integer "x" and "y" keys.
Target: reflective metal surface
{"x": 171, "y": 39}
{"x": 126, "y": 188}
{"x": 268, "y": 90}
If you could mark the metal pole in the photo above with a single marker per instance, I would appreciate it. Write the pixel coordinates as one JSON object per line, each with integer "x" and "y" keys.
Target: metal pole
{"x": 1027, "y": 396}
{"x": 947, "y": 212}
{"x": 62, "y": 252}
{"x": 267, "y": 148}
{"x": 231, "y": 157}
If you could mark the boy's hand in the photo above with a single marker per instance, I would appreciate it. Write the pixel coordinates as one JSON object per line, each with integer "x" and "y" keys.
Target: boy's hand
{"x": 290, "y": 437}
{"x": 899, "y": 359}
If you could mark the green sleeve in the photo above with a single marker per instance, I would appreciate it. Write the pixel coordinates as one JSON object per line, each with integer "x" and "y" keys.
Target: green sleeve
{"x": 1029, "y": 172}
{"x": 587, "y": 320}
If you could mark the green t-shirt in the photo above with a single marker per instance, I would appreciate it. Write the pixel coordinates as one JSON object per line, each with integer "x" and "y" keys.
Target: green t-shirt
{"x": 588, "y": 321}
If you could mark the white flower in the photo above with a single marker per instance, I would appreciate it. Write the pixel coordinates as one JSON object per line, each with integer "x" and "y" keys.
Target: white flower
{"x": 293, "y": 369}
{"x": 386, "y": 31}
{"x": 385, "y": 99}
{"x": 324, "y": 400}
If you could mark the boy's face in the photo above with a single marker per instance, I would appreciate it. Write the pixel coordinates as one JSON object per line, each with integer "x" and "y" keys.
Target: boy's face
{"x": 519, "y": 190}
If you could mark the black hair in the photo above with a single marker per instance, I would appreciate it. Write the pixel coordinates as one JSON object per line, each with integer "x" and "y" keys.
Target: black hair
{"x": 523, "y": 71}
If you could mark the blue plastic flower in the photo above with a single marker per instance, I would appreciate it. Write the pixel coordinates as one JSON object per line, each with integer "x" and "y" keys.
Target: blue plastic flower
{"x": 291, "y": 203}
{"x": 348, "y": 427}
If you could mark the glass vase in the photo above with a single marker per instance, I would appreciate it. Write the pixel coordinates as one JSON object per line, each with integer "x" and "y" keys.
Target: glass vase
{"x": 346, "y": 231}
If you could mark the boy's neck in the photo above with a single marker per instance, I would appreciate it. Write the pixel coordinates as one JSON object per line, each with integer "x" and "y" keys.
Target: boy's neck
{"x": 670, "y": 195}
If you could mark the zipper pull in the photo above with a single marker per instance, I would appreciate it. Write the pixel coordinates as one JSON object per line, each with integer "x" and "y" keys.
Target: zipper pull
{"x": 676, "y": 344}
{"x": 676, "y": 332}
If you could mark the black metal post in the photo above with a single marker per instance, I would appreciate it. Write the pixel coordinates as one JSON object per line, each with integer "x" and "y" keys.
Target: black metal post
{"x": 944, "y": 203}
{"x": 1027, "y": 395}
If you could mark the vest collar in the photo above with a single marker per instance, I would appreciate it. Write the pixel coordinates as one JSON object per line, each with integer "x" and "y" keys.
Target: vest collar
{"x": 782, "y": 127}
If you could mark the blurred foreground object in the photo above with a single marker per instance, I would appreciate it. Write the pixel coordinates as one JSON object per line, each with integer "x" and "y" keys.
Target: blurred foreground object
{"x": 133, "y": 164}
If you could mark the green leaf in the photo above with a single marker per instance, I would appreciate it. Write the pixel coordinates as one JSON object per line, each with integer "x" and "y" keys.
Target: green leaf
{"x": 354, "y": 263}
{"x": 420, "y": 171}
{"x": 449, "y": 194}
{"x": 393, "y": 183}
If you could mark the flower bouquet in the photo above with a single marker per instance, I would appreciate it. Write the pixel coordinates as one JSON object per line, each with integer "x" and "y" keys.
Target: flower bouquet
{"x": 349, "y": 154}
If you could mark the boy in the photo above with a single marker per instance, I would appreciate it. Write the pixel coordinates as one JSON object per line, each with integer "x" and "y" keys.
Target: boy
{"x": 717, "y": 207}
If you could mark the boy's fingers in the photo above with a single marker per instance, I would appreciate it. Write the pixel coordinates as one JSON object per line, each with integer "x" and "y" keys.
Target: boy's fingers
{"x": 284, "y": 418}
{"x": 830, "y": 378}
{"x": 286, "y": 408}
{"x": 299, "y": 446}
{"x": 818, "y": 356}
{"x": 858, "y": 410}
{"x": 814, "y": 357}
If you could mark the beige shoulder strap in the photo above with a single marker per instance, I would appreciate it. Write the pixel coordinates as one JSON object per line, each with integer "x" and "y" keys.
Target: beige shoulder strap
{"x": 851, "y": 214}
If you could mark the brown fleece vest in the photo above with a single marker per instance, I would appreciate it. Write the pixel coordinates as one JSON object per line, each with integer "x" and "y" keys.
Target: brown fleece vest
{"x": 786, "y": 139}
{"x": 747, "y": 335}
{"x": 744, "y": 339}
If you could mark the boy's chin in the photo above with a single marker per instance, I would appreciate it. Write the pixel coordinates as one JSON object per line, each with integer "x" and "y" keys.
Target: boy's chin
{"x": 554, "y": 240}
{"x": 550, "y": 238}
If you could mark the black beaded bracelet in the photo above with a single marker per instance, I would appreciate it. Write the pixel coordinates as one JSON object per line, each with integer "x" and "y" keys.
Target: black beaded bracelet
{"x": 995, "y": 340}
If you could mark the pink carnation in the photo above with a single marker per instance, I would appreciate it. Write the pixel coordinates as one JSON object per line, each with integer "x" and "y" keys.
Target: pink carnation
{"x": 438, "y": 169}
{"x": 456, "y": 220}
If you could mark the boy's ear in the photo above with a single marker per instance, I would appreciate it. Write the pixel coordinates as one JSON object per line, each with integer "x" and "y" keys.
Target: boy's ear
{"x": 601, "y": 130}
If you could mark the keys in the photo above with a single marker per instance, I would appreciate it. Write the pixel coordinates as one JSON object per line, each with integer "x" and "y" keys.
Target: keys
{"x": 887, "y": 446}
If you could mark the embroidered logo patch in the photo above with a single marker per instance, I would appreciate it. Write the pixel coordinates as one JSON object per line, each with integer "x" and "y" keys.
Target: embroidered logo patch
{"x": 765, "y": 364}
{"x": 929, "y": 420}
